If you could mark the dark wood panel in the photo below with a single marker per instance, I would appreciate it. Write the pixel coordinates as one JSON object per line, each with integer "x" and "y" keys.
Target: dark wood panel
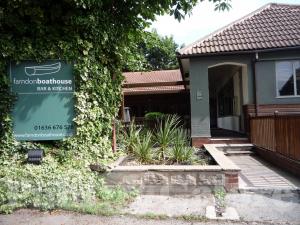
{"x": 270, "y": 109}
{"x": 277, "y": 133}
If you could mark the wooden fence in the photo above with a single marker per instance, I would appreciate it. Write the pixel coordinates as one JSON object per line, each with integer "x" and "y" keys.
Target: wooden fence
{"x": 277, "y": 133}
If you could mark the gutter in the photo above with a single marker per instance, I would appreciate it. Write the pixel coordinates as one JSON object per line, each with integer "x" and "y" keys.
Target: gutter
{"x": 179, "y": 56}
{"x": 181, "y": 68}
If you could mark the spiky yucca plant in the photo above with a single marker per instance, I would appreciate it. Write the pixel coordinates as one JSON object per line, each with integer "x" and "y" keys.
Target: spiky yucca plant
{"x": 131, "y": 136}
{"x": 181, "y": 152}
{"x": 165, "y": 134}
{"x": 143, "y": 148}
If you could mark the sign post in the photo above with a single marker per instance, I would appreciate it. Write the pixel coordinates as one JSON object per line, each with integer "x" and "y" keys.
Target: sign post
{"x": 44, "y": 109}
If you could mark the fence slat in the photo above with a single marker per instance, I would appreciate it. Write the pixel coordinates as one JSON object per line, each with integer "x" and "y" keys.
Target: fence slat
{"x": 280, "y": 134}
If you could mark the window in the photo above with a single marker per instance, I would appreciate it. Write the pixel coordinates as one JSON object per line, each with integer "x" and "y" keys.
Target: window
{"x": 288, "y": 78}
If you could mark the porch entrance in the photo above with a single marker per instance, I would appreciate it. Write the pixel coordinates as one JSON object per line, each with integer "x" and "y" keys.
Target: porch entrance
{"x": 226, "y": 100}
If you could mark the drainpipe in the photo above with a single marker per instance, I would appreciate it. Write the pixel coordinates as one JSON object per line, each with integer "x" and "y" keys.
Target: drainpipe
{"x": 255, "y": 82}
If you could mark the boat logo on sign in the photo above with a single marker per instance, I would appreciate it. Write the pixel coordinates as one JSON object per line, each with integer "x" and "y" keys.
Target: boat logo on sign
{"x": 42, "y": 70}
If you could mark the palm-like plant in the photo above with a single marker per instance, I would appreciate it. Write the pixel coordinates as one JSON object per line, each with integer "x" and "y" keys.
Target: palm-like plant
{"x": 131, "y": 137}
{"x": 166, "y": 133}
{"x": 181, "y": 152}
{"x": 143, "y": 148}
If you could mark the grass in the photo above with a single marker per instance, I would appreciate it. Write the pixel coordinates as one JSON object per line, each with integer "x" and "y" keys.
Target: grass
{"x": 192, "y": 217}
{"x": 101, "y": 209}
{"x": 220, "y": 204}
{"x": 152, "y": 216}
{"x": 109, "y": 202}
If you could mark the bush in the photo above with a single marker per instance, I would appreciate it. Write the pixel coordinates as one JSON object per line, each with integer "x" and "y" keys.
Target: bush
{"x": 154, "y": 115}
{"x": 50, "y": 185}
{"x": 46, "y": 186}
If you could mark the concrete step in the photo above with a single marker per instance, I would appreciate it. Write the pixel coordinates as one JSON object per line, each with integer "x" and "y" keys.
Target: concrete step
{"x": 236, "y": 149}
{"x": 238, "y": 152}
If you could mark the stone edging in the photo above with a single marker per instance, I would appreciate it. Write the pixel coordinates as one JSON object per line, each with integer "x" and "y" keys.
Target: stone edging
{"x": 222, "y": 160}
{"x": 176, "y": 179}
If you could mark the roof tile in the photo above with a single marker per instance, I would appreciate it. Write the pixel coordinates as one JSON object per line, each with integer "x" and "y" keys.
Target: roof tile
{"x": 160, "y": 76}
{"x": 272, "y": 26}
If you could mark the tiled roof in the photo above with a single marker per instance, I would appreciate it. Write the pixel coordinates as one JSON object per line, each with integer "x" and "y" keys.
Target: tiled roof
{"x": 272, "y": 26}
{"x": 154, "y": 90}
{"x": 152, "y": 76}
{"x": 160, "y": 76}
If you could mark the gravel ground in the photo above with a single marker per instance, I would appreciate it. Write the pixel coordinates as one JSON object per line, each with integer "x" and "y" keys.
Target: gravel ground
{"x": 35, "y": 217}
{"x": 282, "y": 208}
{"x": 259, "y": 207}
{"x": 171, "y": 206}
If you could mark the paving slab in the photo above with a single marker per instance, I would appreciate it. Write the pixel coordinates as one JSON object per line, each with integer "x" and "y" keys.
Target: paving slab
{"x": 257, "y": 173}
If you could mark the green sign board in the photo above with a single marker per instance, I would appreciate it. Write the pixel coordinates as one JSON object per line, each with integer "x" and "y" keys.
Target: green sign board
{"x": 44, "y": 109}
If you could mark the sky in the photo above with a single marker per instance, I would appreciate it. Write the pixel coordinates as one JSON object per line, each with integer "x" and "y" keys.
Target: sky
{"x": 204, "y": 20}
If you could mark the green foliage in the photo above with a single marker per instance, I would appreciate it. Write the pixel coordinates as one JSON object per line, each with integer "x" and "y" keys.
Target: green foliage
{"x": 91, "y": 35}
{"x": 151, "y": 52}
{"x": 153, "y": 216}
{"x": 154, "y": 115}
{"x": 220, "y": 203}
{"x": 181, "y": 153}
{"x": 50, "y": 186}
{"x": 220, "y": 194}
{"x": 182, "y": 7}
{"x": 131, "y": 137}
{"x": 143, "y": 148}
{"x": 192, "y": 217}
{"x": 165, "y": 133}
{"x": 181, "y": 137}
{"x": 116, "y": 195}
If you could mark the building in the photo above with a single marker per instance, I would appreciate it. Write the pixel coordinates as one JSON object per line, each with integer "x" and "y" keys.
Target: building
{"x": 156, "y": 91}
{"x": 250, "y": 67}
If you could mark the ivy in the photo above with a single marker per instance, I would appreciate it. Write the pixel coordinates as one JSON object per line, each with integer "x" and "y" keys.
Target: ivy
{"x": 80, "y": 33}
{"x": 91, "y": 35}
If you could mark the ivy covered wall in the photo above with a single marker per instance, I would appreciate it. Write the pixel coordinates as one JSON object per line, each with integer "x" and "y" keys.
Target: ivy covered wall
{"x": 80, "y": 33}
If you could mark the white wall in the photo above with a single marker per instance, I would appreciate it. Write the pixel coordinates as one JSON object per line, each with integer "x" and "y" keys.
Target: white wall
{"x": 229, "y": 123}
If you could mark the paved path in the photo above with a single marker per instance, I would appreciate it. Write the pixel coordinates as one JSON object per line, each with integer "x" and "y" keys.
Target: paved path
{"x": 260, "y": 174}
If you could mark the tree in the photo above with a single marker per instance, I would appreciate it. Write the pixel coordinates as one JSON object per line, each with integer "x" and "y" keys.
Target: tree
{"x": 151, "y": 52}
{"x": 92, "y": 35}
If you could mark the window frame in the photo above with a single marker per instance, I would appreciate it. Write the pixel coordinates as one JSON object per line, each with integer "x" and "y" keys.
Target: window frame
{"x": 294, "y": 79}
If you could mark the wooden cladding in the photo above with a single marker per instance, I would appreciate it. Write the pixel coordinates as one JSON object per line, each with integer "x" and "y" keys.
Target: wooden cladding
{"x": 262, "y": 132}
{"x": 267, "y": 110}
{"x": 277, "y": 133}
{"x": 270, "y": 109}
